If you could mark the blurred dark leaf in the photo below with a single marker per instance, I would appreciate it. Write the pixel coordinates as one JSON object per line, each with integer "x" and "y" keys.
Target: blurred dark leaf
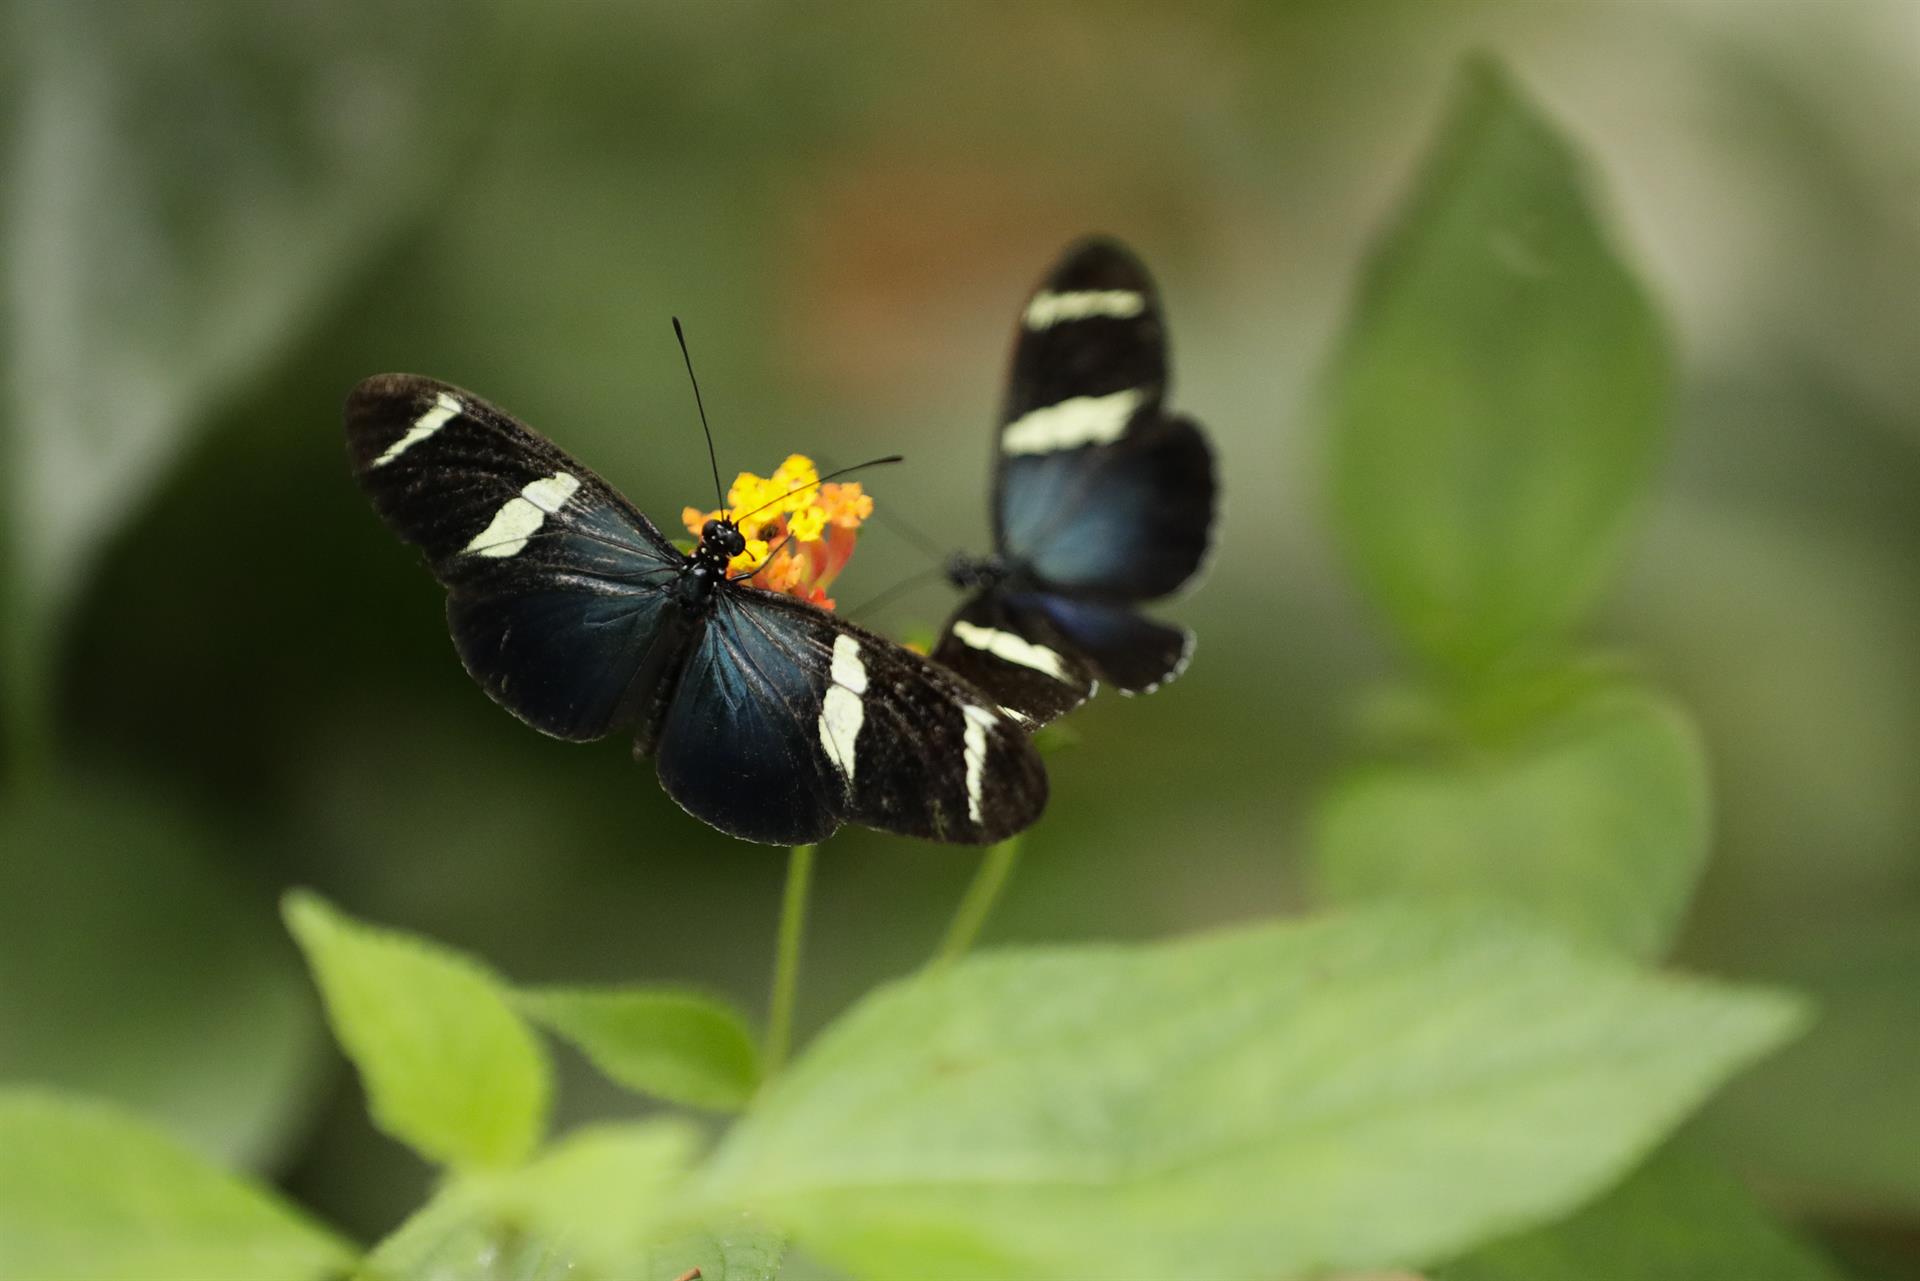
{"x": 186, "y": 188}
{"x": 1678, "y": 1218}
{"x": 1500, "y": 395}
{"x": 1874, "y": 1252}
{"x": 449, "y": 1068}
{"x": 1596, "y": 822}
{"x": 133, "y": 969}
{"x": 91, "y": 1193}
{"x": 1272, "y": 1101}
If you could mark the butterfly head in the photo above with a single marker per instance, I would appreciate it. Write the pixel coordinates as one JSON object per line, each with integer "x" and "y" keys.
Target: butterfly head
{"x": 706, "y": 566}
{"x": 722, "y": 540}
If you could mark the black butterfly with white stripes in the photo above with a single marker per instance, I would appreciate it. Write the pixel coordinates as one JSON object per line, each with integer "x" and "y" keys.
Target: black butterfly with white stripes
{"x": 768, "y": 718}
{"x": 1101, "y": 500}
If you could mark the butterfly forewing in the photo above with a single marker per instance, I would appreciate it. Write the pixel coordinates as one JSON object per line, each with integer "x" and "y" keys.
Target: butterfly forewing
{"x": 1095, "y": 487}
{"x": 556, "y": 585}
{"x": 444, "y": 468}
{"x": 1089, "y": 351}
{"x": 821, "y": 722}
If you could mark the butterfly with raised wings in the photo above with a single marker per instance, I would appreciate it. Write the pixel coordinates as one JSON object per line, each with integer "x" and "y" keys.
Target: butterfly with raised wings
{"x": 771, "y": 719}
{"x": 1102, "y": 499}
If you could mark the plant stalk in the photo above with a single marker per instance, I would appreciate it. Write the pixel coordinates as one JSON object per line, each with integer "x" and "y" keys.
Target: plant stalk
{"x": 786, "y": 958}
{"x": 977, "y": 903}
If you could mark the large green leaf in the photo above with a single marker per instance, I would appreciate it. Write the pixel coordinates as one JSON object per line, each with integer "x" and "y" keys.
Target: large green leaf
{"x": 739, "y": 1249}
{"x": 449, "y": 1068}
{"x": 1377, "y": 1089}
{"x": 134, "y": 968}
{"x": 678, "y": 1046}
{"x": 185, "y": 188}
{"x": 90, "y": 1193}
{"x": 1678, "y": 1217}
{"x": 1597, "y": 821}
{"x": 1500, "y": 394}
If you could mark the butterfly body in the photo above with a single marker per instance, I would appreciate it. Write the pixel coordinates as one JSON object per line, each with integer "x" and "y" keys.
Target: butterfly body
{"x": 767, "y": 717}
{"x": 1102, "y": 500}
{"x": 706, "y": 568}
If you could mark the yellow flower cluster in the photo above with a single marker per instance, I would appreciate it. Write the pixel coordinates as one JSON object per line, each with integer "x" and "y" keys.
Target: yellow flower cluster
{"x": 789, "y": 491}
{"x": 814, "y": 522}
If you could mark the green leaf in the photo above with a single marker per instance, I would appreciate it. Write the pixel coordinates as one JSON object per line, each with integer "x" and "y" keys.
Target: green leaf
{"x": 1597, "y": 822}
{"x": 1500, "y": 395}
{"x": 592, "y": 1206}
{"x": 677, "y": 1046}
{"x": 1378, "y": 1089}
{"x": 1679, "y": 1216}
{"x": 448, "y": 1067}
{"x": 91, "y": 1193}
{"x": 457, "y": 1237}
{"x": 135, "y": 967}
{"x": 742, "y": 1250}
{"x": 602, "y": 1192}
{"x": 144, "y": 288}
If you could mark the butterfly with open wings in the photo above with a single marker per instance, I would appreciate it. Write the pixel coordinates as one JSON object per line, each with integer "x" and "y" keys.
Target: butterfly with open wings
{"x": 1101, "y": 500}
{"x": 771, "y": 719}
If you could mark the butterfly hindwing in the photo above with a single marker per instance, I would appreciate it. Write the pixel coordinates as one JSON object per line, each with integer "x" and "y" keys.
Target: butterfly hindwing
{"x": 1133, "y": 653}
{"x": 556, "y": 586}
{"x": 1015, "y": 653}
{"x": 789, "y": 721}
{"x": 1040, "y": 655}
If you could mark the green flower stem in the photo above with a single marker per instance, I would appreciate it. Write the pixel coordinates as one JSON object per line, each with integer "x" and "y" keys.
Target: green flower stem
{"x": 977, "y": 904}
{"x": 786, "y": 960}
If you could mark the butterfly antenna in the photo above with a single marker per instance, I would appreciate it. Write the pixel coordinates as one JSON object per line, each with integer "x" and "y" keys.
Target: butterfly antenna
{"x": 719, "y": 498}
{"x": 912, "y": 533}
{"x": 871, "y": 462}
{"x": 780, "y": 498}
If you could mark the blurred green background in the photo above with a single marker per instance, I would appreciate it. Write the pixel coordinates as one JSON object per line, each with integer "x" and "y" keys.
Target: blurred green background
{"x": 223, "y": 677}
